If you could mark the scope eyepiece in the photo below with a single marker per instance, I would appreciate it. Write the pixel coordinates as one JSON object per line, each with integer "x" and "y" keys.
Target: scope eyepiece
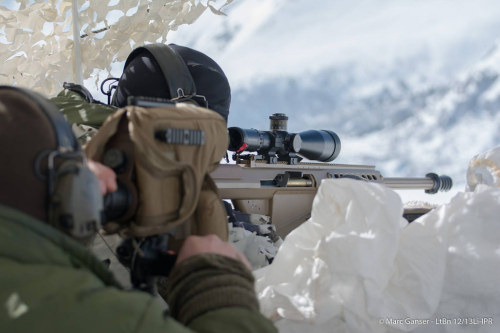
{"x": 116, "y": 204}
{"x": 252, "y": 139}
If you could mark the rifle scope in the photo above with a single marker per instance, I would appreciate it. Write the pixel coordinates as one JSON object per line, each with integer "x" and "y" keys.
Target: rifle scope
{"x": 278, "y": 144}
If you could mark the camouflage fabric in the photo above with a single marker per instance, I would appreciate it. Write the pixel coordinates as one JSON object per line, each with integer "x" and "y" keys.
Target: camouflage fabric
{"x": 85, "y": 118}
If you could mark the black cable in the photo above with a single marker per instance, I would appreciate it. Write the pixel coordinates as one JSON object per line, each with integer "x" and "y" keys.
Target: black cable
{"x": 111, "y": 87}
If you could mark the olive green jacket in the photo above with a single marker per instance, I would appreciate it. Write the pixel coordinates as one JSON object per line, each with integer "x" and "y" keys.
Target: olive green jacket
{"x": 49, "y": 283}
{"x": 85, "y": 118}
{"x": 78, "y": 111}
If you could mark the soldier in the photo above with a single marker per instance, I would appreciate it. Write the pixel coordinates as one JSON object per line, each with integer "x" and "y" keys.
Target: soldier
{"x": 166, "y": 72}
{"x": 49, "y": 203}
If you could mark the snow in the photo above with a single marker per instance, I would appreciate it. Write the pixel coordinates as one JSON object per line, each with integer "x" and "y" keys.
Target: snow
{"x": 356, "y": 264}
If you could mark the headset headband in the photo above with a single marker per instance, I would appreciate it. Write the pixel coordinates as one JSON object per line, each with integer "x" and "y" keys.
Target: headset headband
{"x": 176, "y": 73}
{"x": 64, "y": 135}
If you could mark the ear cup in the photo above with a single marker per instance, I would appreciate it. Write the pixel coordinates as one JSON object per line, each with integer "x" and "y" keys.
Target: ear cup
{"x": 76, "y": 204}
{"x": 72, "y": 202}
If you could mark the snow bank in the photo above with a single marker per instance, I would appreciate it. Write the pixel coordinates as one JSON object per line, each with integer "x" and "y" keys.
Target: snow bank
{"x": 357, "y": 266}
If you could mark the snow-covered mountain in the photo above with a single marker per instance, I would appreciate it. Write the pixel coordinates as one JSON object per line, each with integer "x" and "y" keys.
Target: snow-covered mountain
{"x": 409, "y": 87}
{"x": 448, "y": 125}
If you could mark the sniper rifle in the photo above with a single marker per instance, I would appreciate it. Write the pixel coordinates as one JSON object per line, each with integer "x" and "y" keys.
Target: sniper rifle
{"x": 275, "y": 183}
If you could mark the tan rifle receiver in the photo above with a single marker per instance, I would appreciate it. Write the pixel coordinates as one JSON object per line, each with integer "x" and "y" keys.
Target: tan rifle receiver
{"x": 285, "y": 192}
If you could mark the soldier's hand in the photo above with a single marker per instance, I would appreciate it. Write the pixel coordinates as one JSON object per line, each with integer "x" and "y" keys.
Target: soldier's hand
{"x": 106, "y": 176}
{"x": 194, "y": 245}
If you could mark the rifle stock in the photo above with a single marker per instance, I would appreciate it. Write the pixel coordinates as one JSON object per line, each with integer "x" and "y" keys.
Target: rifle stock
{"x": 285, "y": 192}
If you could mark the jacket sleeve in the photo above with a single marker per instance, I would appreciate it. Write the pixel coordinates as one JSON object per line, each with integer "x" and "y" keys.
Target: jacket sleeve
{"x": 214, "y": 293}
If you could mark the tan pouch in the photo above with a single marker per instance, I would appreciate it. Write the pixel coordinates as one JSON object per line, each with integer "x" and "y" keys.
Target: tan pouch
{"x": 169, "y": 153}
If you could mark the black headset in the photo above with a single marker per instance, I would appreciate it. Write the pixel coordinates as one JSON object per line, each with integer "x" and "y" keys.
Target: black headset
{"x": 75, "y": 203}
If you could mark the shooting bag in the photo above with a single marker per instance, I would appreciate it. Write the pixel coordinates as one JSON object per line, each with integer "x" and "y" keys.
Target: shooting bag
{"x": 163, "y": 157}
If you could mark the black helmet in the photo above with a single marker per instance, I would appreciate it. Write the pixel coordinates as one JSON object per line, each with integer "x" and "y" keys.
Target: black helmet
{"x": 174, "y": 72}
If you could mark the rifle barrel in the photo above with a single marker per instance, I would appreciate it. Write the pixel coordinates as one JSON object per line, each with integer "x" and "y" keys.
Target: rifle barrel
{"x": 407, "y": 183}
{"x": 432, "y": 183}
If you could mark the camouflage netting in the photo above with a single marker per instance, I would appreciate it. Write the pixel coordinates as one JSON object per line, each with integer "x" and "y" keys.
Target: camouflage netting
{"x": 36, "y": 40}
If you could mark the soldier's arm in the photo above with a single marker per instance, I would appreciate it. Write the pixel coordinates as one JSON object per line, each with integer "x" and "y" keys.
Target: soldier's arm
{"x": 211, "y": 289}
